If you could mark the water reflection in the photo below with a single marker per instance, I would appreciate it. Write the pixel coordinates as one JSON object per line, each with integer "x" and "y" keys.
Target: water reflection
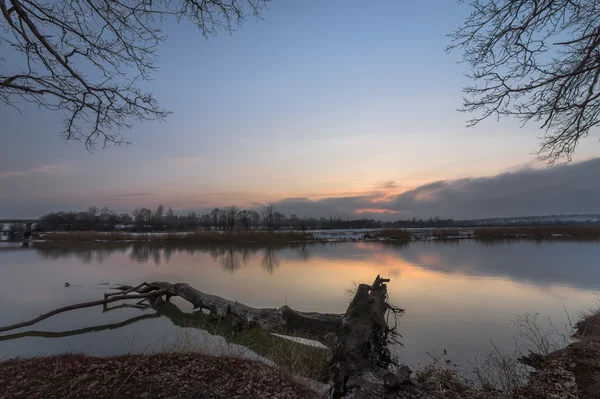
{"x": 79, "y": 331}
{"x": 543, "y": 263}
{"x": 269, "y": 261}
{"x": 458, "y": 295}
{"x": 160, "y": 308}
{"x": 84, "y": 252}
{"x": 231, "y": 257}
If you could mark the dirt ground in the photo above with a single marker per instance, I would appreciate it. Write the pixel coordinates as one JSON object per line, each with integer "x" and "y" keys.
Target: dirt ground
{"x": 569, "y": 373}
{"x": 170, "y": 375}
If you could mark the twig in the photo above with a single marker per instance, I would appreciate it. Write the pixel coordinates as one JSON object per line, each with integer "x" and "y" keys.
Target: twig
{"x": 80, "y": 306}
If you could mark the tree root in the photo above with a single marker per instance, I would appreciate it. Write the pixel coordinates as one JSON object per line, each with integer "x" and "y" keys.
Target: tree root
{"x": 359, "y": 338}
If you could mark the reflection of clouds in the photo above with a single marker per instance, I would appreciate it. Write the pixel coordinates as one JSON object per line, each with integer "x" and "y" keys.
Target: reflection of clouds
{"x": 542, "y": 263}
{"x": 393, "y": 272}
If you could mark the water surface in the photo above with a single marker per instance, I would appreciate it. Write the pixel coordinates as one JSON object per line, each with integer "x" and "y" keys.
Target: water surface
{"x": 458, "y": 295}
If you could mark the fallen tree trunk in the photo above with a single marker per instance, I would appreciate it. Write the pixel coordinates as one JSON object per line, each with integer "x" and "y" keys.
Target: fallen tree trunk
{"x": 285, "y": 320}
{"x": 359, "y": 338}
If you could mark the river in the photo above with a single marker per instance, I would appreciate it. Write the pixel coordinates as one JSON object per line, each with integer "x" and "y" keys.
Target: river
{"x": 458, "y": 296}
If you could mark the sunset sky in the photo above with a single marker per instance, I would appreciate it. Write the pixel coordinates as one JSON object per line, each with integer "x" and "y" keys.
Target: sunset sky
{"x": 326, "y": 108}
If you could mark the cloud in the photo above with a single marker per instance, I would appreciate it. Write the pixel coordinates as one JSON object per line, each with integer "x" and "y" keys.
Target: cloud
{"x": 12, "y": 173}
{"x": 569, "y": 189}
{"x": 46, "y": 169}
{"x": 336, "y": 207}
{"x": 390, "y": 184}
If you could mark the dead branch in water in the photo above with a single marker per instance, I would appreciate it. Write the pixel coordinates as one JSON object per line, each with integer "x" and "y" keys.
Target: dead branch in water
{"x": 359, "y": 338}
{"x": 78, "y": 306}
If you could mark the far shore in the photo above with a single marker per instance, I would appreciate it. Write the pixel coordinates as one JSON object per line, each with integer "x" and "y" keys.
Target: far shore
{"x": 555, "y": 232}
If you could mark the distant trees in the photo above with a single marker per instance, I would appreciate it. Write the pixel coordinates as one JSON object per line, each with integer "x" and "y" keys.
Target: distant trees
{"x": 254, "y": 219}
{"x": 244, "y": 219}
{"x": 142, "y": 218}
{"x": 268, "y": 216}
{"x": 88, "y": 220}
{"x": 229, "y": 218}
{"x": 145, "y": 219}
{"x": 214, "y": 216}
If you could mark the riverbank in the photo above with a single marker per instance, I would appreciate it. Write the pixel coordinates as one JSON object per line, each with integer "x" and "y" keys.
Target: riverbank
{"x": 165, "y": 375}
{"x": 585, "y": 232}
{"x": 199, "y": 237}
{"x": 569, "y": 373}
{"x": 573, "y": 371}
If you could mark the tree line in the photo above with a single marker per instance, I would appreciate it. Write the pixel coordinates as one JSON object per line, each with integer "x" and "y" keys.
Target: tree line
{"x": 228, "y": 218}
{"x": 233, "y": 218}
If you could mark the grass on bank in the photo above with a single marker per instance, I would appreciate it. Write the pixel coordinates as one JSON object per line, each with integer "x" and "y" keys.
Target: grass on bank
{"x": 391, "y": 234}
{"x": 293, "y": 358}
{"x": 445, "y": 233}
{"x": 199, "y": 237}
{"x": 498, "y": 376}
{"x": 590, "y": 232}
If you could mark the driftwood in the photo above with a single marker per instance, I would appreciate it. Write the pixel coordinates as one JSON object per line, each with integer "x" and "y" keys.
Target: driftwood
{"x": 362, "y": 344}
{"x": 359, "y": 339}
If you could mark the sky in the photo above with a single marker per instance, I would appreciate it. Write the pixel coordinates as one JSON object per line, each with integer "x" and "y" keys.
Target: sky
{"x": 338, "y": 108}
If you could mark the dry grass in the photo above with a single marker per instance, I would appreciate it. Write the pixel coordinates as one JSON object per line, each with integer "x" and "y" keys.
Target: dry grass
{"x": 499, "y": 371}
{"x": 589, "y": 327}
{"x": 392, "y": 234}
{"x": 437, "y": 381}
{"x": 80, "y": 236}
{"x": 173, "y": 375}
{"x": 209, "y": 336}
{"x": 445, "y": 233}
{"x": 297, "y": 359}
{"x": 540, "y": 232}
{"x": 200, "y": 237}
{"x": 292, "y": 358}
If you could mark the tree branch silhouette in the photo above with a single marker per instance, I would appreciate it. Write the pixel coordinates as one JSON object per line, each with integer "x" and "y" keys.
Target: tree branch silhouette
{"x": 537, "y": 61}
{"x": 87, "y": 58}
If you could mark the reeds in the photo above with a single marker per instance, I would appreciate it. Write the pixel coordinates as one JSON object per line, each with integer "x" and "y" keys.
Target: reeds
{"x": 200, "y": 237}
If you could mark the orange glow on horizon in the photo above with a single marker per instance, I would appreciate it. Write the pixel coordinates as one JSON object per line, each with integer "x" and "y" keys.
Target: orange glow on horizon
{"x": 376, "y": 210}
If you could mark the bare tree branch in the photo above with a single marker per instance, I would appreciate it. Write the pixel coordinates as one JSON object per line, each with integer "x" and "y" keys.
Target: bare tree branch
{"x": 536, "y": 61}
{"x": 86, "y": 57}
